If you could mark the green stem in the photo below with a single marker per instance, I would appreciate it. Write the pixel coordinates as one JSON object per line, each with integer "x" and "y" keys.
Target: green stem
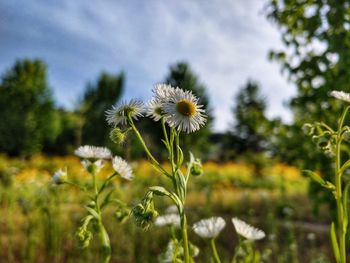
{"x": 184, "y": 237}
{"x": 149, "y": 154}
{"x": 106, "y": 246}
{"x": 215, "y": 252}
{"x": 104, "y": 238}
{"x": 338, "y": 187}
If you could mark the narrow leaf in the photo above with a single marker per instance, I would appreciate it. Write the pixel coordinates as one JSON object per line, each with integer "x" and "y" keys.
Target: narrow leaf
{"x": 107, "y": 198}
{"x": 92, "y": 212}
{"x": 335, "y": 244}
{"x": 159, "y": 190}
{"x": 314, "y": 176}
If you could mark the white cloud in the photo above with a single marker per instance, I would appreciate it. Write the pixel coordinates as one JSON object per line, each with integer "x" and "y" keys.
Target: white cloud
{"x": 226, "y": 42}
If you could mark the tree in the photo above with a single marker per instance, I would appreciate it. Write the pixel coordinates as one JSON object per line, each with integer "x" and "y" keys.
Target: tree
{"x": 96, "y": 100}
{"x": 28, "y": 118}
{"x": 317, "y": 59}
{"x": 251, "y": 125}
{"x": 250, "y": 136}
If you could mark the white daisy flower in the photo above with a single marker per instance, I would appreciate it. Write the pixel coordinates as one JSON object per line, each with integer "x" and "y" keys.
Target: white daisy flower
{"x": 168, "y": 220}
{"x": 171, "y": 210}
{"x": 59, "y": 177}
{"x": 122, "y": 167}
{"x": 162, "y": 92}
{"x": 209, "y": 228}
{"x": 183, "y": 112}
{"x": 93, "y": 152}
{"x": 119, "y": 114}
{"x": 340, "y": 95}
{"x": 155, "y": 109}
{"x": 246, "y": 230}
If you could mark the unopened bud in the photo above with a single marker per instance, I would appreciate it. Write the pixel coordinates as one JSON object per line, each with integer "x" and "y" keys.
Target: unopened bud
{"x": 118, "y": 136}
{"x": 308, "y": 129}
{"x": 60, "y": 177}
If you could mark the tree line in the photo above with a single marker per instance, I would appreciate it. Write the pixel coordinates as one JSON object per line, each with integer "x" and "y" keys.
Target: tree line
{"x": 31, "y": 121}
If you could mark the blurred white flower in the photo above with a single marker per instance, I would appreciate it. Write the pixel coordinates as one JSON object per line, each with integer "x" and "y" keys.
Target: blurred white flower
{"x": 340, "y": 95}
{"x": 171, "y": 210}
{"x": 168, "y": 220}
{"x": 119, "y": 113}
{"x": 122, "y": 168}
{"x": 246, "y": 230}
{"x": 155, "y": 109}
{"x": 209, "y": 228}
{"x": 59, "y": 177}
{"x": 183, "y": 112}
{"x": 162, "y": 92}
{"x": 93, "y": 152}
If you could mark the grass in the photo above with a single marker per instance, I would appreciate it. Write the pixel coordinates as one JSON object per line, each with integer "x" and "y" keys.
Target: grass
{"x": 38, "y": 220}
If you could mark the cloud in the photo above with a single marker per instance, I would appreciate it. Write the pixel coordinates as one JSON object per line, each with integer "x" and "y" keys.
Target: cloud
{"x": 226, "y": 42}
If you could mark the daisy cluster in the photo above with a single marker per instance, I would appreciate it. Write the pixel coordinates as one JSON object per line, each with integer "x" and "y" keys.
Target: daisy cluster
{"x": 179, "y": 108}
{"x": 93, "y": 160}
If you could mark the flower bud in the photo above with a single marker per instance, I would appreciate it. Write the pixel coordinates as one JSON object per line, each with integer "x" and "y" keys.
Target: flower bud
{"x": 118, "y": 136}
{"x": 60, "y": 177}
{"x": 346, "y": 135}
{"x": 144, "y": 213}
{"x": 197, "y": 168}
{"x": 84, "y": 236}
{"x": 92, "y": 167}
{"x": 308, "y": 129}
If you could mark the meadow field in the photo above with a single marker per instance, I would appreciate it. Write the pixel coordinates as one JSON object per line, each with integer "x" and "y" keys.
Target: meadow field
{"x": 39, "y": 219}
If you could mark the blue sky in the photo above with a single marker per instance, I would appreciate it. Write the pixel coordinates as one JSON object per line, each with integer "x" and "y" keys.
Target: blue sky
{"x": 226, "y": 42}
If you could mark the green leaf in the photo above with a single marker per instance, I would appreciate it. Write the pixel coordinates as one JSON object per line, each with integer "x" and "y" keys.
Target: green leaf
{"x": 159, "y": 190}
{"x": 107, "y": 198}
{"x": 180, "y": 158}
{"x": 106, "y": 182}
{"x": 335, "y": 244}
{"x": 92, "y": 212}
{"x": 315, "y": 177}
{"x": 345, "y": 206}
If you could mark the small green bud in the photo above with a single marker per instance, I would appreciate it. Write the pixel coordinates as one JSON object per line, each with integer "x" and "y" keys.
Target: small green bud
{"x": 118, "y": 136}
{"x": 60, "y": 177}
{"x": 84, "y": 236}
{"x": 346, "y": 135}
{"x": 122, "y": 214}
{"x": 322, "y": 142}
{"x": 197, "y": 168}
{"x": 144, "y": 213}
{"x": 92, "y": 167}
{"x": 308, "y": 129}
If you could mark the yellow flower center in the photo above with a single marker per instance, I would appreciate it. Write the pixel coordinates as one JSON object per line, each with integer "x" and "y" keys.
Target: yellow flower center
{"x": 186, "y": 108}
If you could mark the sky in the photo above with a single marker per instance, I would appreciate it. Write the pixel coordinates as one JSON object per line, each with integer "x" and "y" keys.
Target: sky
{"x": 226, "y": 42}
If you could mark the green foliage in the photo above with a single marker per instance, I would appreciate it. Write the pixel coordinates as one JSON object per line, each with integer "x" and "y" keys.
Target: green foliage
{"x": 28, "y": 118}
{"x": 317, "y": 40}
{"x": 252, "y": 126}
{"x": 96, "y": 100}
